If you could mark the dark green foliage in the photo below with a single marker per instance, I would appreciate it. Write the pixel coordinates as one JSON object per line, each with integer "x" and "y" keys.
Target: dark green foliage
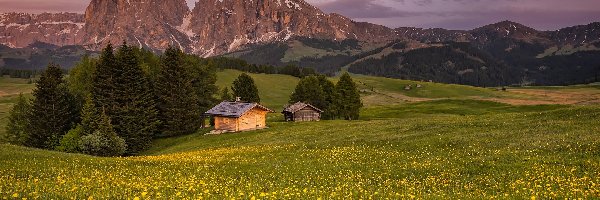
{"x": 71, "y": 141}
{"x": 457, "y": 63}
{"x": 330, "y": 98}
{"x": 319, "y": 92}
{"x": 80, "y": 76}
{"x": 204, "y": 78}
{"x": 90, "y": 116}
{"x": 18, "y": 73}
{"x": 225, "y": 95}
{"x": 245, "y": 88}
{"x": 54, "y": 110}
{"x": 178, "y": 106}
{"x": 104, "y": 141}
{"x": 349, "y": 103}
{"x": 123, "y": 91}
{"x": 135, "y": 117}
{"x": 309, "y": 91}
{"x": 18, "y": 122}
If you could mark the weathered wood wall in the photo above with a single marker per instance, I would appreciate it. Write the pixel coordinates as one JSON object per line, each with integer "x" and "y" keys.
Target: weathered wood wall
{"x": 307, "y": 114}
{"x": 253, "y": 119}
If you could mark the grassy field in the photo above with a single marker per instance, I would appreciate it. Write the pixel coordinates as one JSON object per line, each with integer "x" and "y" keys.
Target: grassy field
{"x": 447, "y": 143}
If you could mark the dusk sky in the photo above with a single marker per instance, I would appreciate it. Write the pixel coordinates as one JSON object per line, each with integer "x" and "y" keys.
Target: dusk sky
{"x": 451, "y": 14}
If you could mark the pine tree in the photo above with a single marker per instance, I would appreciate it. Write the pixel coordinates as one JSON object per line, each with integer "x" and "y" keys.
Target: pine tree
{"x": 330, "y": 98}
{"x": 53, "y": 110}
{"x": 225, "y": 95}
{"x": 18, "y": 122}
{"x": 349, "y": 103}
{"x": 179, "y": 110}
{"x": 245, "y": 88}
{"x": 204, "y": 78}
{"x": 309, "y": 91}
{"x": 134, "y": 115}
{"x": 89, "y": 116}
{"x": 105, "y": 81}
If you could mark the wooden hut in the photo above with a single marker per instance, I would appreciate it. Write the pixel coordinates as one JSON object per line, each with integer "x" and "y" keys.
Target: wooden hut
{"x": 239, "y": 116}
{"x": 302, "y": 112}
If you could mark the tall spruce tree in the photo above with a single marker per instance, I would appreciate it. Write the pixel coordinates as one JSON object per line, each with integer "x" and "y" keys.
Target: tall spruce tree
{"x": 135, "y": 115}
{"x": 178, "y": 106}
{"x": 349, "y": 103}
{"x": 245, "y": 88}
{"x": 53, "y": 112}
{"x": 18, "y": 122}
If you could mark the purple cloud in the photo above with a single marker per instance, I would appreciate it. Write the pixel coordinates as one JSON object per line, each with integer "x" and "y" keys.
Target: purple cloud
{"x": 451, "y": 14}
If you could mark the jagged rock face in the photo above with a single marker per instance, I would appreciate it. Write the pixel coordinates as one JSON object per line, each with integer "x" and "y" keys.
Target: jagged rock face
{"x": 20, "y": 29}
{"x": 216, "y": 27}
{"x": 225, "y": 25}
{"x": 147, "y": 23}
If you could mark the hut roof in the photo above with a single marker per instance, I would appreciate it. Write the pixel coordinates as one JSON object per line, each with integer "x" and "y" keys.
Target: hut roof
{"x": 299, "y": 106}
{"x": 234, "y": 109}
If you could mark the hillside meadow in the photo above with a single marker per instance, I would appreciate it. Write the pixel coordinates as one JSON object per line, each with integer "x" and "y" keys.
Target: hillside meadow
{"x": 435, "y": 142}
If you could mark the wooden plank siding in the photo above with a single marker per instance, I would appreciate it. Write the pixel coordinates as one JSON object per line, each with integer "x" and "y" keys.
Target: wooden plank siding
{"x": 252, "y": 120}
{"x": 307, "y": 114}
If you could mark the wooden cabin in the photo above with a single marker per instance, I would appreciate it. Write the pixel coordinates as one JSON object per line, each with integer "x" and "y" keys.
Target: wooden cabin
{"x": 302, "y": 112}
{"x": 239, "y": 116}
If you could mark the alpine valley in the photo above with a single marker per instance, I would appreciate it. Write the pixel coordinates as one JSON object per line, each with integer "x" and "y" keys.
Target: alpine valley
{"x": 293, "y": 32}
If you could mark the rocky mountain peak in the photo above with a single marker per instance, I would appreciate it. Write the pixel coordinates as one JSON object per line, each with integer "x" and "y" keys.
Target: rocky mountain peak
{"x": 147, "y": 23}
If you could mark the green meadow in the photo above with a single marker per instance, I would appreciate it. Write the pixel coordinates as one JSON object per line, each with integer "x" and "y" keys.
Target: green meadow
{"x": 434, "y": 142}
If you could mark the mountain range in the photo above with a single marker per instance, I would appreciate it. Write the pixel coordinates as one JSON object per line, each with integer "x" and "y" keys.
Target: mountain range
{"x": 282, "y": 32}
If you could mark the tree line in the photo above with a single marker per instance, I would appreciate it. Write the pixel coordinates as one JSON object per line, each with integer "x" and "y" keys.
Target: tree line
{"x": 115, "y": 104}
{"x": 338, "y": 101}
{"x": 242, "y": 65}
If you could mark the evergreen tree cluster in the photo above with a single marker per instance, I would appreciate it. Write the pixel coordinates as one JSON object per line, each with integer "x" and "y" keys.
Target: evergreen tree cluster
{"x": 339, "y": 101}
{"x": 116, "y": 104}
{"x": 242, "y": 65}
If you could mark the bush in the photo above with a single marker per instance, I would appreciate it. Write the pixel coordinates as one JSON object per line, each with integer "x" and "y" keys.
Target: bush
{"x": 70, "y": 142}
{"x": 102, "y": 144}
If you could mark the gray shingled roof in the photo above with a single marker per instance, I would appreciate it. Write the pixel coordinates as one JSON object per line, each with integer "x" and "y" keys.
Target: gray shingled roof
{"x": 233, "y": 109}
{"x": 298, "y": 106}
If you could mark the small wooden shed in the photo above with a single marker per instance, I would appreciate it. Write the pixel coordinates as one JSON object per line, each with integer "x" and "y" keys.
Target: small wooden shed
{"x": 239, "y": 116}
{"x": 302, "y": 112}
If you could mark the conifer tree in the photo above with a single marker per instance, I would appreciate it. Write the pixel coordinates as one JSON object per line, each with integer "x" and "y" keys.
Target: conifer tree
{"x": 330, "y": 98}
{"x": 105, "y": 81}
{"x": 245, "y": 88}
{"x": 18, "y": 122}
{"x": 179, "y": 110}
{"x": 134, "y": 115}
{"x": 309, "y": 91}
{"x": 225, "y": 95}
{"x": 204, "y": 77}
{"x": 349, "y": 103}
{"x": 53, "y": 111}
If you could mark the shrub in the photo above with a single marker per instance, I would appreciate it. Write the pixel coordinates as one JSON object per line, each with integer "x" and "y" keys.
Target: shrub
{"x": 70, "y": 142}
{"x": 102, "y": 144}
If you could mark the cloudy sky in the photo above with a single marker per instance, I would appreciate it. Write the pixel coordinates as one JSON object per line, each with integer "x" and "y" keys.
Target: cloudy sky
{"x": 451, "y": 14}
